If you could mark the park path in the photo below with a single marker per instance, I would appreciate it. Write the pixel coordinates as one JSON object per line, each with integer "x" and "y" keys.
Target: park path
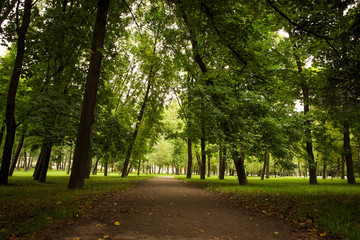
{"x": 168, "y": 208}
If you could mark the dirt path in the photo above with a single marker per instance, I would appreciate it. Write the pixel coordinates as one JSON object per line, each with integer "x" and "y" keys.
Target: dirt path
{"x": 167, "y": 208}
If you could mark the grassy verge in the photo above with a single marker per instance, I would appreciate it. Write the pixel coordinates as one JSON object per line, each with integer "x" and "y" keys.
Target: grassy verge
{"x": 28, "y": 206}
{"x": 331, "y": 208}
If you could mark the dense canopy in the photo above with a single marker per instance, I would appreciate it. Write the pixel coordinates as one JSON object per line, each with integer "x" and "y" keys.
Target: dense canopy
{"x": 158, "y": 84}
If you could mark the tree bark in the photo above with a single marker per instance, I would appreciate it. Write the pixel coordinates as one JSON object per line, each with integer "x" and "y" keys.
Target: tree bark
{"x": 2, "y": 131}
{"x": 94, "y": 172}
{"x": 189, "y": 163}
{"x": 324, "y": 175}
{"x": 203, "y": 155}
{"x": 36, "y": 173}
{"x": 342, "y": 166}
{"x": 45, "y": 162}
{"x": 69, "y": 163}
{"x": 208, "y": 164}
{"x": 26, "y": 162}
{"x": 222, "y": 159}
{"x": 138, "y": 172}
{"x": 348, "y": 155}
{"x": 17, "y": 154}
{"x": 10, "y": 104}
{"x": 267, "y": 158}
{"x": 238, "y": 159}
{"x": 264, "y": 166}
{"x": 81, "y": 155}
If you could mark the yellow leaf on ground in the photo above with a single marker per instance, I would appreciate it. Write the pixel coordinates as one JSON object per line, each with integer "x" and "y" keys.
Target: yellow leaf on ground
{"x": 201, "y": 230}
{"x": 150, "y": 214}
{"x": 106, "y": 236}
{"x": 323, "y": 234}
{"x": 276, "y": 233}
{"x": 116, "y": 223}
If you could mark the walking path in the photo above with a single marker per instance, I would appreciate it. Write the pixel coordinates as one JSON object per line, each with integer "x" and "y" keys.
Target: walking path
{"x": 168, "y": 208}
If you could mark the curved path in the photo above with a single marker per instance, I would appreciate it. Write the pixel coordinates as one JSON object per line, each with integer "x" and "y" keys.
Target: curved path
{"x": 167, "y": 208}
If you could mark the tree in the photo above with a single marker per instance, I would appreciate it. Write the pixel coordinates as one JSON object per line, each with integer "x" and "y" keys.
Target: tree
{"x": 81, "y": 154}
{"x": 11, "y": 124}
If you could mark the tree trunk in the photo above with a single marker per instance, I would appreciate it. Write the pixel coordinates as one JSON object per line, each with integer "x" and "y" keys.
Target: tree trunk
{"x": 10, "y": 104}
{"x": 129, "y": 169}
{"x": 81, "y": 155}
{"x": 94, "y": 172}
{"x": 17, "y": 154}
{"x": 137, "y": 126}
{"x": 203, "y": 155}
{"x": 342, "y": 167}
{"x": 26, "y": 162}
{"x": 88, "y": 166}
{"x": 238, "y": 159}
{"x": 138, "y": 172}
{"x": 264, "y": 166}
{"x": 267, "y": 158}
{"x": 45, "y": 163}
{"x": 222, "y": 159}
{"x": 348, "y": 155}
{"x": 2, "y": 131}
{"x": 106, "y": 168}
{"x": 189, "y": 163}
{"x": 38, "y": 165}
{"x": 208, "y": 165}
{"x": 69, "y": 163}
{"x": 324, "y": 175}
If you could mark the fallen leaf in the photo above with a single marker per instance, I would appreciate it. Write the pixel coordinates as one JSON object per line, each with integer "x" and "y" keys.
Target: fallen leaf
{"x": 115, "y": 204}
{"x": 116, "y": 223}
{"x": 201, "y": 230}
{"x": 150, "y": 214}
{"x": 323, "y": 234}
{"x": 276, "y": 233}
{"x": 106, "y": 236}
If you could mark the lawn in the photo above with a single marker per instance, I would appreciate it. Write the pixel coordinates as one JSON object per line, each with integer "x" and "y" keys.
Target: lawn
{"x": 27, "y": 205}
{"x": 331, "y": 208}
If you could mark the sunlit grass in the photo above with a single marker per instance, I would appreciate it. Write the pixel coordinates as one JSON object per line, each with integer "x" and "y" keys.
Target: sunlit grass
{"x": 331, "y": 207}
{"x": 27, "y": 205}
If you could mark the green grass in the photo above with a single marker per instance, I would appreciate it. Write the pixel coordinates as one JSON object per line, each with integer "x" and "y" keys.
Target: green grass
{"x": 332, "y": 207}
{"x": 29, "y": 206}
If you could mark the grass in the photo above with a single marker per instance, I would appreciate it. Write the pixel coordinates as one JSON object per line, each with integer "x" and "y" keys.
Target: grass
{"x": 331, "y": 208}
{"x": 28, "y": 206}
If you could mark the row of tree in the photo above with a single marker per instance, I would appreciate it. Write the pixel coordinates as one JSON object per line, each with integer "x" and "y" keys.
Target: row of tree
{"x": 100, "y": 75}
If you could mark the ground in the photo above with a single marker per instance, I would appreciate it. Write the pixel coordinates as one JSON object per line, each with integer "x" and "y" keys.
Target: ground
{"x": 168, "y": 208}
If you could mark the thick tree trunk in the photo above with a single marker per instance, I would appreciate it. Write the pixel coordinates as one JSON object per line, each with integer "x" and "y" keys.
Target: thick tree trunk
{"x": 81, "y": 155}
{"x": 17, "y": 154}
{"x": 45, "y": 163}
{"x": 238, "y": 159}
{"x": 106, "y": 168}
{"x": 324, "y": 175}
{"x": 2, "y": 131}
{"x": 137, "y": 126}
{"x": 36, "y": 173}
{"x": 88, "y": 166}
{"x": 348, "y": 155}
{"x": 189, "y": 163}
{"x": 10, "y": 104}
